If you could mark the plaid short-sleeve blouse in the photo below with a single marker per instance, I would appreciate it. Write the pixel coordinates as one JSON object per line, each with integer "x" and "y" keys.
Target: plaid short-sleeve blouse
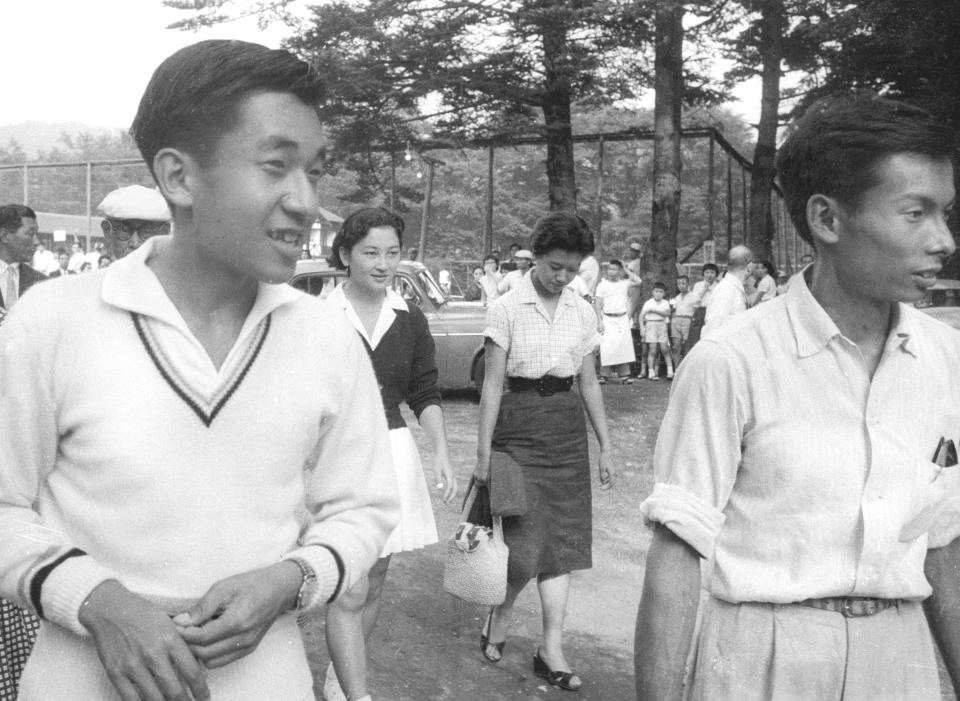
{"x": 535, "y": 345}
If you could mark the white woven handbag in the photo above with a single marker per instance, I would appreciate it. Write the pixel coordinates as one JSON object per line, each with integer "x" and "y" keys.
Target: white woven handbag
{"x": 475, "y": 566}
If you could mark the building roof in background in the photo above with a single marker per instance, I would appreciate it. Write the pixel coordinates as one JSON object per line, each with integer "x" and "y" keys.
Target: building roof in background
{"x": 73, "y": 224}
{"x": 330, "y": 216}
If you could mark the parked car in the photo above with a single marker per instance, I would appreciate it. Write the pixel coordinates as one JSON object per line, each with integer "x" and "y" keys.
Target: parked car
{"x": 456, "y": 327}
{"x": 942, "y": 302}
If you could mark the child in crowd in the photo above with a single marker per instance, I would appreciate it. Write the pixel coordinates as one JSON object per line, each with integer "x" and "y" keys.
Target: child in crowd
{"x": 654, "y": 316}
{"x": 613, "y": 304}
{"x": 682, "y": 307}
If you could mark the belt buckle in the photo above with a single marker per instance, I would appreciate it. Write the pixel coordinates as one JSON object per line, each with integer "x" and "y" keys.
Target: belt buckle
{"x": 542, "y": 389}
{"x": 868, "y": 607}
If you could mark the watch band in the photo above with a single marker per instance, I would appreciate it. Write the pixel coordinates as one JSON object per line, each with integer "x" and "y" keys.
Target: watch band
{"x": 308, "y": 585}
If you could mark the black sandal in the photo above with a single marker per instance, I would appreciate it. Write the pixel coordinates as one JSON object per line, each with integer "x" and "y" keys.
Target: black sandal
{"x": 563, "y": 680}
{"x": 485, "y": 642}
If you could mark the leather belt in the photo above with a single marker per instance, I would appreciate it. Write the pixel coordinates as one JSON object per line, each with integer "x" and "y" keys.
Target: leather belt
{"x": 682, "y": 316}
{"x": 545, "y": 386}
{"x": 619, "y": 314}
{"x": 852, "y": 606}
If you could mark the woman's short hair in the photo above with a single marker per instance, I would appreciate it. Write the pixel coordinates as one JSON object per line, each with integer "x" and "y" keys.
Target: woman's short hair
{"x": 561, "y": 231}
{"x": 355, "y": 228}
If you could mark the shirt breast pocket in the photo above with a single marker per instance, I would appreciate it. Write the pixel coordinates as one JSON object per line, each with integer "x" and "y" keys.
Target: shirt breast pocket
{"x": 932, "y": 485}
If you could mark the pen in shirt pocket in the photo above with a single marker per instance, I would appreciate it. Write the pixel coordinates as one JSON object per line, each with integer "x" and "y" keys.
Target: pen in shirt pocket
{"x": 945, "y": 455}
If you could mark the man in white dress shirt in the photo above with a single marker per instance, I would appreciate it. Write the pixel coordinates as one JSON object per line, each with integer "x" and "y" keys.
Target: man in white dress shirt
{"x": 729, "y": 297}
{"x": 807, "y": 452}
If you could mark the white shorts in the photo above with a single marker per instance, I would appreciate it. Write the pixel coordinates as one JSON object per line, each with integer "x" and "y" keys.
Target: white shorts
{"x": 655, "y": 332}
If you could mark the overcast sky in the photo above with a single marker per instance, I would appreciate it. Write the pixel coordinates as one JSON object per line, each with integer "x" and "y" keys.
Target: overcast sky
{"x": 89, "y": 60}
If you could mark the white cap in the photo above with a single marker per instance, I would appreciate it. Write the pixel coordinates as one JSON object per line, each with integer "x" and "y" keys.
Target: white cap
{"x": 523, "y": 253}
{"x": 135, "y": 202}
{"x": 636, "y": 246}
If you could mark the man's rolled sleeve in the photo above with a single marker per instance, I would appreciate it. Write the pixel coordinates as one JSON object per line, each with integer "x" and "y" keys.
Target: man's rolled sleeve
{"x": 691, "y": 519}
{"x": 698, "y": 448}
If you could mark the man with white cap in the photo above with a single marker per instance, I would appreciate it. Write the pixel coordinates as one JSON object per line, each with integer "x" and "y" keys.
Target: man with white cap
{"x": 131, "y": 215}
{"x": 524, "y": 261}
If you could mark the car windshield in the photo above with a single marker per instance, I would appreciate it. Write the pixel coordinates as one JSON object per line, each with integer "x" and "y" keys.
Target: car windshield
{"x": 432, "y": 288}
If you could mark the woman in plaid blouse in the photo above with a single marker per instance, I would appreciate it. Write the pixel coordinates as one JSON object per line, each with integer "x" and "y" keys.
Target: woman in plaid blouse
{"x": 541, "y": 337}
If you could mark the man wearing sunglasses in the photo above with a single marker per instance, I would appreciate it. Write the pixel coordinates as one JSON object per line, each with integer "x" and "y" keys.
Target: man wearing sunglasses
{"x": 131, "y": 215}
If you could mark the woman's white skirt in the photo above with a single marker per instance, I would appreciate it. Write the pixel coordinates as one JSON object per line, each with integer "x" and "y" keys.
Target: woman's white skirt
{"x": 417, "y": 527}
{"x": 616, "y": 347}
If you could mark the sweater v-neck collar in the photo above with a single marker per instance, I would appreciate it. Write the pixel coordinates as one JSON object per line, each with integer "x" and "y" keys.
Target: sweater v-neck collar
{"x": 181, "y": 360}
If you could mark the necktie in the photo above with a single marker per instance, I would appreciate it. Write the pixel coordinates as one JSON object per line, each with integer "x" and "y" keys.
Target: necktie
{"x": 13, "y": 279}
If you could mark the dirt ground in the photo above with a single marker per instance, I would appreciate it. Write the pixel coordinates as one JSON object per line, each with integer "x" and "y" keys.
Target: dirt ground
{"x": 427, "y": 643}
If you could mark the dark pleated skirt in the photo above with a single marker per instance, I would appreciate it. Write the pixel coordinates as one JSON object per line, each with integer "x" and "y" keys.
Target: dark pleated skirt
{"x": 547, "y": 437}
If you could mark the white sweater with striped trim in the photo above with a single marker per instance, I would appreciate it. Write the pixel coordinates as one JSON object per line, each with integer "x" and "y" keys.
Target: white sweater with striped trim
{"x": 118, "y": 437}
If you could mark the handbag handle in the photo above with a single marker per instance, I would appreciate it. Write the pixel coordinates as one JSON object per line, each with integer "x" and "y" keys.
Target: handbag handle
{"x": 467, "y": 500}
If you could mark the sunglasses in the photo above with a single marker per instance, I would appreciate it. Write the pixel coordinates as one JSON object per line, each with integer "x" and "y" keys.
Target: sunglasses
{"x": 124, "y": 229}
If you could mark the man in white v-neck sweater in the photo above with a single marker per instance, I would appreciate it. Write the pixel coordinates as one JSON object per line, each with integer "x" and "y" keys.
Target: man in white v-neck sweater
{"x": 189, "y": 453}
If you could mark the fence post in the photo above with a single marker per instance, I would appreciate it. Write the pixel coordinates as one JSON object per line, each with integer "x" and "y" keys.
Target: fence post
{"x": 89, "y": 204}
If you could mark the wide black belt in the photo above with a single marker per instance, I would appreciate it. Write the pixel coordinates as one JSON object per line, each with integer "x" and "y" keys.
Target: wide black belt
{"x": 852, "y": 606}
{"x": 545, "y": 386}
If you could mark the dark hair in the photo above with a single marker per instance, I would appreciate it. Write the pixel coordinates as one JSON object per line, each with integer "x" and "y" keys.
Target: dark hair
{"x": 355, "y": 228}
{"x": 838, "y": 146}
{"x": 515, "y": 245}
{"x": 193, "y": 96}
{"x": 616, "y": 262}
{"x": 683, "y": 277}
{"x": 493, "y": 257}
{"x": 659, "y": 286}
{"x": 11, "y": 216}
{"x": 710, "y": 266}
{"x": 561, "y": 231}
{"x": 767, "y": 265}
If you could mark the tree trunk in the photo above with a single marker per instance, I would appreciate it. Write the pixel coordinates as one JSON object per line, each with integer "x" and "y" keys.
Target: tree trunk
{"x": 557, "y": 119}
{"x": 660, "y": 258}
{"x": 761, "y": 230}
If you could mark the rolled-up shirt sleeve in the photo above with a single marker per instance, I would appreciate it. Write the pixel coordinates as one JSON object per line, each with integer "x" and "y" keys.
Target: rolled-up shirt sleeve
{"x": 698, "y": 448}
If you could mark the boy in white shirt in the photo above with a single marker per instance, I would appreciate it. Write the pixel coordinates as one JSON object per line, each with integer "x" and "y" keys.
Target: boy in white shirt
{"x": 654, "y": 317}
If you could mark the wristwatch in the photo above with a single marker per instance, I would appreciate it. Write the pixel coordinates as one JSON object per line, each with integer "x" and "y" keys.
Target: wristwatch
{"x": 308, "y": 585}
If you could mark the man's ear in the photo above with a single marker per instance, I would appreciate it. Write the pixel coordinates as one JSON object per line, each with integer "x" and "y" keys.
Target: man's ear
{"x": 174, "y": 172}
{"x": 823, "y": 219}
